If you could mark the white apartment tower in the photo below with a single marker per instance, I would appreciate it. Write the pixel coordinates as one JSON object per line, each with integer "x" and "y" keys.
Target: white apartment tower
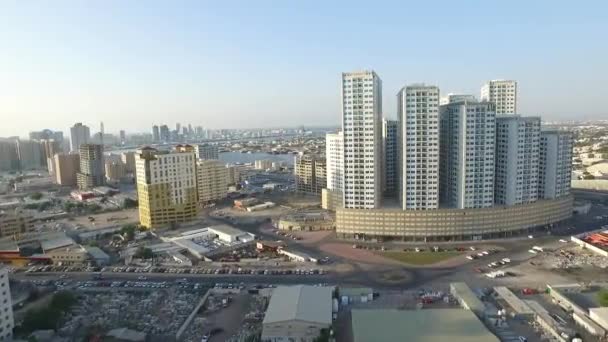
{"x": 517, "y": 159}
{"x": 79, "y": 134}
{"x": 390, "y": 156}
{"x": 7, "y": 322}
{"x": 418, "y": 110}
{"x": 362, "y": 132}
{"x": 334, "y": 154}
{"x": 555, "y": 164}
{"x": 467, "y": 144}
{"x": 503, "y": 93}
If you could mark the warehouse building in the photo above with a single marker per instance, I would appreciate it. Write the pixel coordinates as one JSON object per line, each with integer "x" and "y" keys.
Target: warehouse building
{"x": 297, "y": 313}
{"x": 467, "y": 298}
{"x": 519, "y": 307}
{"x": 429, "y": 325}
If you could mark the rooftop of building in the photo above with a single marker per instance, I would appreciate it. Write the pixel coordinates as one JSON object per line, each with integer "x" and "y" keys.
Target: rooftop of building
{"x": 97, "y": 253}
{"x": 302, "y": 302}
{"x": 428, "y": 325}
{"x": 58, "y": 242}
{"x": 125, "y": 334}
{"x": 602, "y": 313}
{"x": 465, "y": 293}
{"x": 226, "y": 229}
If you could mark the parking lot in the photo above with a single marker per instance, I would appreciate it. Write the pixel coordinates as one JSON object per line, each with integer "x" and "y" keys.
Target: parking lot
{"x": 302, "y": 270}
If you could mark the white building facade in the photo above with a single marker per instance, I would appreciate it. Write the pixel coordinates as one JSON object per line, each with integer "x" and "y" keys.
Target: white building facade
{"x": 555, "y": 164}
{"x": 467, "y": 146}
{"x": 517, "y": 159}
{"x": 418, "y": 111}
{"x": 334, "y": 155}
{"x": 503, "y": 93}
{"x": 362, "y": 132}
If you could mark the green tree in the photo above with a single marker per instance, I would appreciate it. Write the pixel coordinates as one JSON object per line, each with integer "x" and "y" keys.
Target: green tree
{"x": 36, "y": 196}
{"x": 93, "y": 208}
{"x": 324, "y": 337}
{"x": 130, "y": 203}
{"x": 144, "y": 253}
{"x": 128, "y": 231}
{"x": 47, "y": 317}
{"x": 602, "y": 297}
{"x": 63, "y": 300}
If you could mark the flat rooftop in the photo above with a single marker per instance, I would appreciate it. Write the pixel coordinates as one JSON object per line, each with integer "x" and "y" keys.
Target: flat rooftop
{"x": 426, "y": 325}
{"x": 226, "y": 229}
{"x": 302, "y": 303}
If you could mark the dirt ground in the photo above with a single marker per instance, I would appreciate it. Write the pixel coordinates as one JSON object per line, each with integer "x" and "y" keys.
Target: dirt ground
{"x": 312, "y": 237}
{"x": 101, "y": 220}
{"x": 229, "y": 319}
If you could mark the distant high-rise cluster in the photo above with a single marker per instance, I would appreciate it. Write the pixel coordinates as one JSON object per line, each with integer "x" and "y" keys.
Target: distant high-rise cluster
{"x": 443, "y": 152}
{"x": 162, "y": 134}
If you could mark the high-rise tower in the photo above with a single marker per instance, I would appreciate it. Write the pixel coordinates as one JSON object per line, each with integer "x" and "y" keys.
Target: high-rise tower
{"x": 418, "y": 110}
{"x": 467, "y": 143}
{"x": 503, "y": 93}
{"x": 362, "y": 132}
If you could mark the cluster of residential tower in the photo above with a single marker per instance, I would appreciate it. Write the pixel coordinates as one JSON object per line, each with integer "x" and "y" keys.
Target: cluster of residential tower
{"x": 443, "y": 152}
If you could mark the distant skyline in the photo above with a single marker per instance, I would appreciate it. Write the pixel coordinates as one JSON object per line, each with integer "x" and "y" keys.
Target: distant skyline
{"x": 235, "y": 65}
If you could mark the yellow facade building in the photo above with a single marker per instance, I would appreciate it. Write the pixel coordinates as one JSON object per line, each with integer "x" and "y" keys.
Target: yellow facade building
{"x": 166, "y": 186}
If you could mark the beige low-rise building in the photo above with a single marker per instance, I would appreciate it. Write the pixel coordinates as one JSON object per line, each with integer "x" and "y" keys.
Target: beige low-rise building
{"x": 297, "y": 313}
{"x": 306, "y": 221}
{"x": 72, "y": 255}
{"x": 63, "y": 250}
{"x": 15, "y": 222}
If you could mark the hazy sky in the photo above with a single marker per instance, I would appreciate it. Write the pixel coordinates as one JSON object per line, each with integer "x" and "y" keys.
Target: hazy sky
{"x": 240, "y": 64}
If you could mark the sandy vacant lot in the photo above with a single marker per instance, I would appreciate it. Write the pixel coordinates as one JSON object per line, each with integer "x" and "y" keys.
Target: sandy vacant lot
{"x": 361, "y": 255}
{"x": 312, "y": 237}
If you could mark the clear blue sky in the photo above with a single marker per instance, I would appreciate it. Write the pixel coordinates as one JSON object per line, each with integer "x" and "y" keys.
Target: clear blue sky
{"x": 271, "y": 63}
